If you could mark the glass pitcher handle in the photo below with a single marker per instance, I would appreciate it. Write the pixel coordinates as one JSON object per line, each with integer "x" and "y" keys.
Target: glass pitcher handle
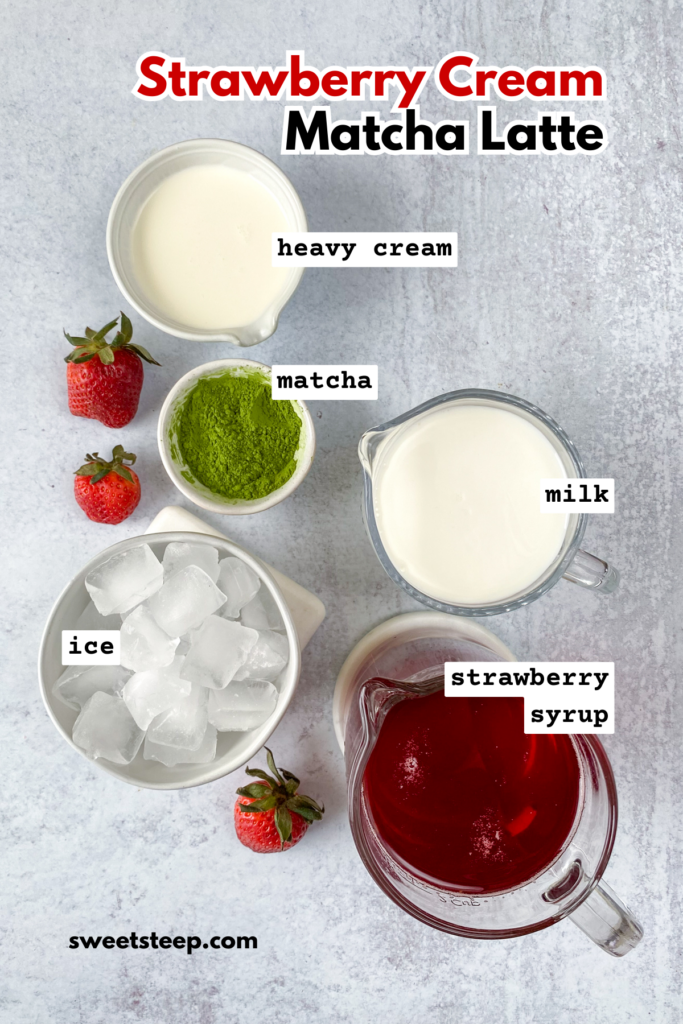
{"x": 605, "y": 920}
{"x": 589, "y": 571}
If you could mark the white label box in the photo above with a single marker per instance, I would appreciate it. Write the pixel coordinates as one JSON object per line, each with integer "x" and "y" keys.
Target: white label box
{"x": 591, "y": 495}
{"x": 569, "y": 697}
{"x": 365, "y": 249}
{"x": 91, "y": 647}
{"x": 326, "y": 382}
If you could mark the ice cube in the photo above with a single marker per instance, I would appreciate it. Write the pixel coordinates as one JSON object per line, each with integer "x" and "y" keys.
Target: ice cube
{"x": 171, "y": 756}
{"x": 105, "y": 728}
{"x": 179, "y": 554}
{"x": 78, "y": 683}
{"x": 273, "y": 614}
{"x": 242, "y": 705}
{"x": 254, "y": 615}
{"x": 147, "y": 694}
{"x": 218, "y": 649}
{"x": 184, "y": 724}
{"x": 275, "y": 620}
{"x": 238, "y": 582}
{"x": 185, "y": 600}
{"x": 267, "y": 658}
{"x": 262, "y": 612}
{"x": 144, "y": 645}
{"x": 124, "y": 580}
{"x": 91, "y": 619}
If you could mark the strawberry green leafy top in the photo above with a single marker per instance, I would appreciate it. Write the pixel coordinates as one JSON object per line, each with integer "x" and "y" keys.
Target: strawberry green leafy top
{"x": 280, "y": 794}
{"x": 97, "y": 468}
{"x": 95, "y": 344}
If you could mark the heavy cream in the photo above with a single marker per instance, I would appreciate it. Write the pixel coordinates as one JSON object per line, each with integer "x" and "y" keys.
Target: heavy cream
{"x": 456, "y": 501}
{"x": 201, "y": 247}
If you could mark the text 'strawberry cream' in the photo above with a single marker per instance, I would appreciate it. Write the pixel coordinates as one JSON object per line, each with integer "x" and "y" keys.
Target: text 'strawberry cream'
{"x": 201, "y": 247}
{"x": 456, "y": 503}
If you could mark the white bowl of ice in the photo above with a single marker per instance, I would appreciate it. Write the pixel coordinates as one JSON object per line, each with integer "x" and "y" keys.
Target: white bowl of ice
{"x": 181, "y": 710}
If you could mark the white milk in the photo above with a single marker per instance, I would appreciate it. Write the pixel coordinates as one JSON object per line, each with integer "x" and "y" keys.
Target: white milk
{"x": 202, "y": 247}
{"x": 456, "y": 500}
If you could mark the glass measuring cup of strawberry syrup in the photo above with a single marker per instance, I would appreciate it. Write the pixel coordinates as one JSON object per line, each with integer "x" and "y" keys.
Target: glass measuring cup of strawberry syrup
{"x": 464, "y": 821}
{"x": 463, "y": 798}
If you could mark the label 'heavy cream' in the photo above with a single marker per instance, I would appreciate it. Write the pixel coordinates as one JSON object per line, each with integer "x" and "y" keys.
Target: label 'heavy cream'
{"x": 201, "y": 247}
{"x": 456, "y": 503}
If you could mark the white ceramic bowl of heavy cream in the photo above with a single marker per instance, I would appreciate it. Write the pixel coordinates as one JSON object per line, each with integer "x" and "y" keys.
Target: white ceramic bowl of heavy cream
{"x": 189, "y": 241}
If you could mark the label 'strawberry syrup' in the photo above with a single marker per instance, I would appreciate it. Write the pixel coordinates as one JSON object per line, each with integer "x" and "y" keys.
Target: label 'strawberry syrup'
{"x": 464, "y": 798}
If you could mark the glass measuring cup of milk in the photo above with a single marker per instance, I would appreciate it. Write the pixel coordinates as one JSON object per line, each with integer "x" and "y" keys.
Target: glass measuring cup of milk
{"x": 452, "y": 504}
{"x": 397, "y": 663}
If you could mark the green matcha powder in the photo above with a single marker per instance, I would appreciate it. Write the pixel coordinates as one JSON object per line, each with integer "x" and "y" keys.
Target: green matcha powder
{"x": 235, "y": 439}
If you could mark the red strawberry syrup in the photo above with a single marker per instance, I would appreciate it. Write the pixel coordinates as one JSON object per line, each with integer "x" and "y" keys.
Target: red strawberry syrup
{"x": 464, "y": 798}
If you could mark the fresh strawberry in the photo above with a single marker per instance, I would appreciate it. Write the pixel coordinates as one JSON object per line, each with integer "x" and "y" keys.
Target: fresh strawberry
{"x": 104, "y": 379}
{"x": 107, "y": 491}
{"x": 271, "y": 816}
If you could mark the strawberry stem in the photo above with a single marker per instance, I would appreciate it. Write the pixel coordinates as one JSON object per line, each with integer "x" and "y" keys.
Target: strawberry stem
{"x": 95, "y": 344}
{"x": 97, "y": 468}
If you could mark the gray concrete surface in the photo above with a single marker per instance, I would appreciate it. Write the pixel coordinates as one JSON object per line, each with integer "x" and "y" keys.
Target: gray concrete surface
{"x": 568, "y": 294}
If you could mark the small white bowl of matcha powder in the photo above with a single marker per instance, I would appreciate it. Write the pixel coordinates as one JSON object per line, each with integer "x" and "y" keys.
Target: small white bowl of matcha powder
{"x": 227, "y": 445}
